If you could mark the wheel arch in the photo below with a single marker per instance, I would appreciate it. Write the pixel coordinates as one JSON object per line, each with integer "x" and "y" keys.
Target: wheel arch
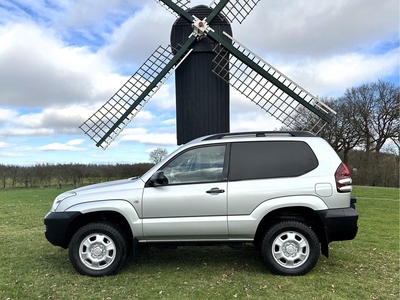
{"x": 301, "y": 214}
{"x": 113, "y": 217}
{"x": 118, "y": 212}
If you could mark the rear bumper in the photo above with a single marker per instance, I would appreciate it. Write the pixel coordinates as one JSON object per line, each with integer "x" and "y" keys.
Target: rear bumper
{"x": 340, "y": 224}
{"x": 57, "y": 225}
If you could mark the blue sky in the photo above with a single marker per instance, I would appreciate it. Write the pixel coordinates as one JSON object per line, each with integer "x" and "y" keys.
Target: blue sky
{"x": 61, "y": 60}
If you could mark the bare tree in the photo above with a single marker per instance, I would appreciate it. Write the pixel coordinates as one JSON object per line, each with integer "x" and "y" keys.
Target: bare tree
{"x": 386, "y": 118}
{"x": 157, "y": 155}
{"x": 341, "y": 133}
{"x": 375, "y": 113}
{"x": 13, "y": 174}
{"x": 3, "y": 175}
{"x": 361, "y": 101}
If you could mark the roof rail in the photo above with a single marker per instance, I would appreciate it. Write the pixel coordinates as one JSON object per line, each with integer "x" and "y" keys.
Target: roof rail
{"x": 218, "y": 136}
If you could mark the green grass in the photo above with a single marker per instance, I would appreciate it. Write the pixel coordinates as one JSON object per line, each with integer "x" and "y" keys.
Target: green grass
{"x": 376, "y": 192}
{"x": 364, "y": 268}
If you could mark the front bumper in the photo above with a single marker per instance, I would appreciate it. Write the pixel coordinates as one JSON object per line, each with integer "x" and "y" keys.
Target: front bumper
{"x": 58, "y": 227}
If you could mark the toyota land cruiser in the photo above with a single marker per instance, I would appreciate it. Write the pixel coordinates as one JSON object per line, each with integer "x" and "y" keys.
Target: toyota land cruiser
{"x": 286, "y": 192}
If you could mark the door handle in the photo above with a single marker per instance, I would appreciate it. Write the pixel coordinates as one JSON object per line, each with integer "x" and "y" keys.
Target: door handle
{"x": 215, "y": 191}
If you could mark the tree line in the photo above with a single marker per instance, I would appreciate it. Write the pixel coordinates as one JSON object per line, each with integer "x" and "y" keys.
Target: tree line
{"x": 45, "y": 175}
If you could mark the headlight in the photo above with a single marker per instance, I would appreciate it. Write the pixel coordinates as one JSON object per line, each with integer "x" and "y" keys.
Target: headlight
{"x": 61, "y": 198}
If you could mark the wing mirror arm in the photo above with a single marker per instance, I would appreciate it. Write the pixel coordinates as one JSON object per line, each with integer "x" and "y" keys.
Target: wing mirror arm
{"x": 157, "y": 179}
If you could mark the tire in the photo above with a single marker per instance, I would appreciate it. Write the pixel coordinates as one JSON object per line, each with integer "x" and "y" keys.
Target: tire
{"x": 290, "y": 248}
{"x": 98, "y": 249}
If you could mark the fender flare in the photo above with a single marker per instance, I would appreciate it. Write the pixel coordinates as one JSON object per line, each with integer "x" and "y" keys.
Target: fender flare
{"x": 309, "y": 201}
{"x": 123, "y": 207}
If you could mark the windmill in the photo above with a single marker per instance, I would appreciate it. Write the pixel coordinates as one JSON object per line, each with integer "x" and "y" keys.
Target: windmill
{"x": 232, "y": 63}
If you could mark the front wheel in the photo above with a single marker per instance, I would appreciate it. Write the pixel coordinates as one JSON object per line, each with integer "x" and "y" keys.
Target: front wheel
{"x": 98, "y": 249}
{"x": 290, "y": 248}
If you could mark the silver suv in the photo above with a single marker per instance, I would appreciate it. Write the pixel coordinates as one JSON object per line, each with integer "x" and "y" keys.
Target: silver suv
{"x": 286, "y": 192}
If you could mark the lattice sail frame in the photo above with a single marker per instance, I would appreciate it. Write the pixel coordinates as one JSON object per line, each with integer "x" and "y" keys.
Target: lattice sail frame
{"x": 266, "y": 95}
{"x": 184, "y": 4}
{"x": 121, "y": 103}
{"x": 237, "y": 10}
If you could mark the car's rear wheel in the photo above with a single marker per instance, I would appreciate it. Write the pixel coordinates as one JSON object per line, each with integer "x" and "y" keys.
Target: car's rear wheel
{"x": 98, "y": 249}
{"x": 290, "y": 248}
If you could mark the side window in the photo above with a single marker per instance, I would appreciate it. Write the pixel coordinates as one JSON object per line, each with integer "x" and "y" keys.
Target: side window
{"x": 275, "y": 159}
{"x": 196, "y": 165}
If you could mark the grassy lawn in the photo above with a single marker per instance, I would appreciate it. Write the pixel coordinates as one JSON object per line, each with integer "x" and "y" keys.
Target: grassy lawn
{"x": 365, "y": 268}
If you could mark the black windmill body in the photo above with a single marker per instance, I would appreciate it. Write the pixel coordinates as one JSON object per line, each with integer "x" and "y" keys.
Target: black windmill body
{"x": 206, "y": 59}
{"x": 202, "y": 97}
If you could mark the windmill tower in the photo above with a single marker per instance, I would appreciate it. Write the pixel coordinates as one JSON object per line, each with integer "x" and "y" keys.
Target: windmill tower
{"x": 202, "y": 97}
{"x": 232, "y": 63}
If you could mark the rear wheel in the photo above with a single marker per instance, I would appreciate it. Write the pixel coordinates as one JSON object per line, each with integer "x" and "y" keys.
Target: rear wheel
{"x": 98, "y": 249}
{"x": 290, "y": 248}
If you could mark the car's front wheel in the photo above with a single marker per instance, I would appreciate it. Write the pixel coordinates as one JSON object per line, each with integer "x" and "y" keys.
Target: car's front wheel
{"x": 98, "y": 249}
{"x": 290, "y": 248}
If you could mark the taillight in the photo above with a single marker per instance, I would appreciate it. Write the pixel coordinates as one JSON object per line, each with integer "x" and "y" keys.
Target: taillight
{"x": 343, "y": 179}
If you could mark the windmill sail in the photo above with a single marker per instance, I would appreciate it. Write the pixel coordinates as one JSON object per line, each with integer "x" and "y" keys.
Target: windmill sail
{"x": 270, "y": 89}
{"x": 108, "y": 122}
{"x": 237, "y": 10}
{"x": 182, "y": 4}
{"x": 260, "y": 82}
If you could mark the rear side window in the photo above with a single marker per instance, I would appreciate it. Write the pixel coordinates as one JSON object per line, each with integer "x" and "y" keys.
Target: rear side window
{"x": 258, "y": 160}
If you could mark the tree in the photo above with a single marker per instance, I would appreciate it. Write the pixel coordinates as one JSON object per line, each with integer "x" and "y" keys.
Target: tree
{"x": 341, "y": 134}
{"x": 386, "y": 119}
{"x": 158, "y": 155}
{"x": 375, "y": 109}
{"x": 3, "y": 175}
{"x": 375, "y": 115}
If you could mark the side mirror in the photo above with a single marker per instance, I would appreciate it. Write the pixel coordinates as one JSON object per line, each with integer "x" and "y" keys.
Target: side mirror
{"x": 158, "y": 178}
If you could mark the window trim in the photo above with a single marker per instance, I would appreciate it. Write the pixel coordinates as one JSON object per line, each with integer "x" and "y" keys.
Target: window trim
{"x": 224, "y": 176}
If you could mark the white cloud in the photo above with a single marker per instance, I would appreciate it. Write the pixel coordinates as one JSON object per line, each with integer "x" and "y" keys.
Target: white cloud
{"x": 137, "y": 38}
{"x": 7, "y": 115}
{"x": 24, "y": 148}
{"x": 68, "y": 146}
{"x": 82, "y": 13}
{"x": 61, "y": 119}
{"x": 75, "y": 142}
{"x": 13, "y": 132}
{"x": 254, "y": 121}
{"x": 164, "y": 99}
{"x": 12, "y": 154}
{"x": 331, "y": 76}
{"x": 4, "y": 145}
{"x": 50, "y": 121}
{"x": 38, "y": 69}
{"x": 169, "y": 122}
{"x": 149, "y": 150}
{"x": 325, "y": 46}
{"x": 142, "y": 136}
{"x": 313, "y": 28}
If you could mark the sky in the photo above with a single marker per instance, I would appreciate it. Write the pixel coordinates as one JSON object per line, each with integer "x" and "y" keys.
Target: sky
{"x": 61, "y": 60}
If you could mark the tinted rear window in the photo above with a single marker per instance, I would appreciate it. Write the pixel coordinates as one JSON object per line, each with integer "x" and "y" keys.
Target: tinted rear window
{"x": 258, "y": 160}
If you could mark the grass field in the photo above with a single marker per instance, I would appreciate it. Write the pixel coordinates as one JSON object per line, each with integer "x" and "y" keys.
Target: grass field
{"x": 365, "y": 268}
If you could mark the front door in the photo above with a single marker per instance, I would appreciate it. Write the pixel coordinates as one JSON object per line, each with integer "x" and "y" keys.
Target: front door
{"x": 192, "y": 205}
